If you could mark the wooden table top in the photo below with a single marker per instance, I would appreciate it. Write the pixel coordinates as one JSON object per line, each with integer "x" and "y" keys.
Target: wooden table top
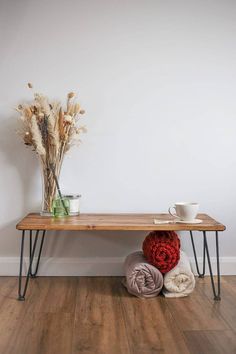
{"x": 115, "y": 222}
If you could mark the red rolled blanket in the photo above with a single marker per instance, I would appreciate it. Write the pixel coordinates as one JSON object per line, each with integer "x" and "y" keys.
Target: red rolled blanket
{"x": 162, "y": 249}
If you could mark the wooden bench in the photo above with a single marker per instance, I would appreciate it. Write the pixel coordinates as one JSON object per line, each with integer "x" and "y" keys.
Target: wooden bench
{"x": 36, "y": 224}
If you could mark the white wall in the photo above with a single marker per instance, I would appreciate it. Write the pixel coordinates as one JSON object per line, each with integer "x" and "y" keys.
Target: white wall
{"x": 158, "y": 82}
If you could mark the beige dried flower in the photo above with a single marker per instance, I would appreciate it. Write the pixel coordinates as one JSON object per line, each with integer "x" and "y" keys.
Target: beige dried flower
{"x": 82, "y": 129}
{"x": 28, "y": 138}
{"x": 37, "y": 137}
{"x": 27, "y": 112}
{"x": 51, "y": 132}
{"x": 70, "y": 95}
{"x": 49, "y": 129}
{"x": 76, "y": 108}
{"x": 43, "y": 103}
{"x": 70, "y": 109}
{"x": 68, "y": 118}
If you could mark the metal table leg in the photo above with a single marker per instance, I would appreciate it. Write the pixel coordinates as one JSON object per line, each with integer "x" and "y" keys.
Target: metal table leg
{"x": 215, "y": 289}
{"x": 23, "y": 288}
{"x": 215, "y": 292}
{"x": 200, "y": 275}
{"x": 34, "y": 274}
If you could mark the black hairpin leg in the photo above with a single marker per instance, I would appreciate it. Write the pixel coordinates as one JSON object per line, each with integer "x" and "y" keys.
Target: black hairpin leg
{"x": 200, "y": 275}
{"x": 215, "y": 289}
{"x": 22, "y": 289}
{"x": 216, "y": 292}
{"x": 34, "y": 274}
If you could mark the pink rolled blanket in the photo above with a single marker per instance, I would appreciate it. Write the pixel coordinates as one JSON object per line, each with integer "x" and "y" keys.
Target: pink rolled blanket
{"x": 142, "y": 279}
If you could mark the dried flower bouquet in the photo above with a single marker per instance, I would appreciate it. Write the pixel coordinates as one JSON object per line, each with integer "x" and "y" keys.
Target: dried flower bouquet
{"x": 50, "y": 130}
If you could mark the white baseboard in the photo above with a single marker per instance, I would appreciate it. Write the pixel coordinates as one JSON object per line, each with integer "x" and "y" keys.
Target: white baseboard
{"x": 227, "y": 265}
{"x": 97, "y": 266}
{"x": 106, "y": 266}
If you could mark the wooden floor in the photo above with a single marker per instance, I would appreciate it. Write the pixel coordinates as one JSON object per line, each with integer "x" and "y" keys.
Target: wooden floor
{"x": 65, "y": 315}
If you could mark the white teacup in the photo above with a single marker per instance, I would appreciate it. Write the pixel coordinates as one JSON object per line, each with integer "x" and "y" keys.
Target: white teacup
{"x": 185, "y": 211}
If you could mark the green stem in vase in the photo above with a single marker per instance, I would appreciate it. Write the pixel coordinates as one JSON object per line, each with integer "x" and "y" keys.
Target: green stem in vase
{"x": 58, "y": 187}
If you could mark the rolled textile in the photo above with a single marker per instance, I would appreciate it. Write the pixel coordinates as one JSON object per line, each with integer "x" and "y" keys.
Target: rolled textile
{"x": 142, "y": 279}
{"x": 180, "y": 281}
{"x": 162, "y": 249}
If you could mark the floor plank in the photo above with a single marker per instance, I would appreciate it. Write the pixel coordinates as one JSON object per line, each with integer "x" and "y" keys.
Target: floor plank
{"x": 41, "y": 333}
{"x": 197, "y": 312}
{"x": 99, "y": 324}
{"x": 150, "y": 326}
{"x": 226, "y": 308}
{"x": 211, "y": 342}
{"x": 53, "y": 294}
{"x": 8, "y": 297}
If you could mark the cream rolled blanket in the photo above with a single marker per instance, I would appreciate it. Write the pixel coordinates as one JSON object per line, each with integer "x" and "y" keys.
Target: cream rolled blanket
{"x": 142, "y": 279}
{"x": 180, "y": 281}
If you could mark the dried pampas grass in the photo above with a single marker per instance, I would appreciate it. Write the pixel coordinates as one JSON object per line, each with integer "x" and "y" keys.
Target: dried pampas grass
{"x": 37, "y": 137}
{"x": 51, "y": 131}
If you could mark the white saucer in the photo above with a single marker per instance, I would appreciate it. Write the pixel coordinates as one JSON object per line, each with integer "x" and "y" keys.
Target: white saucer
{"x": 195, "y": 221}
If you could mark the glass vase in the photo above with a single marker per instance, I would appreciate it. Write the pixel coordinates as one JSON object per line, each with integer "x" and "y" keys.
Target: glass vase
{"x": 49, "y": 188}
{"x": 60, "y": 207}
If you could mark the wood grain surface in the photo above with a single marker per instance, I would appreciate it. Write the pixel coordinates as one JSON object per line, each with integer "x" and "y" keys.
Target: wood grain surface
{"x": 115, "y": 222}
{"x": 87, "y": 315}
